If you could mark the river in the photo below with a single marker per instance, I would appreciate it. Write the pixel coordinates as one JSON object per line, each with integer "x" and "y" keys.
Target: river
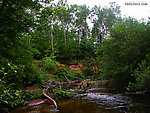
{"x": 95, "y": 100}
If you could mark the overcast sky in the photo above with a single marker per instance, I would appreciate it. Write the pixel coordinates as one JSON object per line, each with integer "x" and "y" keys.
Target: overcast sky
{"x": 134, "y": 8}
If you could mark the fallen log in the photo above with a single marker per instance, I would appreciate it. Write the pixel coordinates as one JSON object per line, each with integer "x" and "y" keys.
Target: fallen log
{"x": 50, "y": 98}
{"x": 73, "y": 77}
{"x": 140, "y": 92}
{"x": 67, "y": 78}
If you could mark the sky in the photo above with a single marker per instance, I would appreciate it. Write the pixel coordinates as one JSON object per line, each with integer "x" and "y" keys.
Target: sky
{"x": 138, "y": 9}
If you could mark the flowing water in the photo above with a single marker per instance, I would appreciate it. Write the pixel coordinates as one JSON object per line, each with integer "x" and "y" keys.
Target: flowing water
{"x": 96, "y": 100}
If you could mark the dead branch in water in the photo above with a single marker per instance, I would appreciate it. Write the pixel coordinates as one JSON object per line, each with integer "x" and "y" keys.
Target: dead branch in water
{"x": 73, "y": 77}
{"x": 50, "y": 98}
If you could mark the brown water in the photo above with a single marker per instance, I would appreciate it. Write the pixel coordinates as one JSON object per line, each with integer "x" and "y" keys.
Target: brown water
{"x": 95, "y": 101}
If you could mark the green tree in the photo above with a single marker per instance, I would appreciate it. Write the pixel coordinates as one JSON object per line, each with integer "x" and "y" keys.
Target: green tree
{"x": 127, "y": 47}
{"x": 16, "y": 65}
{"x": 81, "y": 13}
{"x": 64, "y": 15}
{"x": 103, "y": 19}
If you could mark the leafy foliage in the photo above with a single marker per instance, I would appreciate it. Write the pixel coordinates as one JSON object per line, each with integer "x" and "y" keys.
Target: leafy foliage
{"x": 9, "y": 97}
{"x": 142, "y": 76}
{"x": 122, "y": 53}
{"x": 60, "y": 94}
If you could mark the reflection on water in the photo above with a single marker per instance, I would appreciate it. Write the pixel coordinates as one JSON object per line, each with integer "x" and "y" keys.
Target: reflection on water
{"x": 95, "y": 101}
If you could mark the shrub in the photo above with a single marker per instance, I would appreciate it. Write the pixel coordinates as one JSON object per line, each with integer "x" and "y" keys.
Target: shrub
{"x": 9, "y": 97}
{"x": 124, "y": 50}
{"x": 60, "y": 94}
{"x": 142, "y": 76}
{"x": 50, "y": 64}
{"x": 10, "y": 82}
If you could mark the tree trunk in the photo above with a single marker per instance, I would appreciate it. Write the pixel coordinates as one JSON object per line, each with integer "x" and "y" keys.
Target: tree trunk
{"x": 52, "y": 40}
